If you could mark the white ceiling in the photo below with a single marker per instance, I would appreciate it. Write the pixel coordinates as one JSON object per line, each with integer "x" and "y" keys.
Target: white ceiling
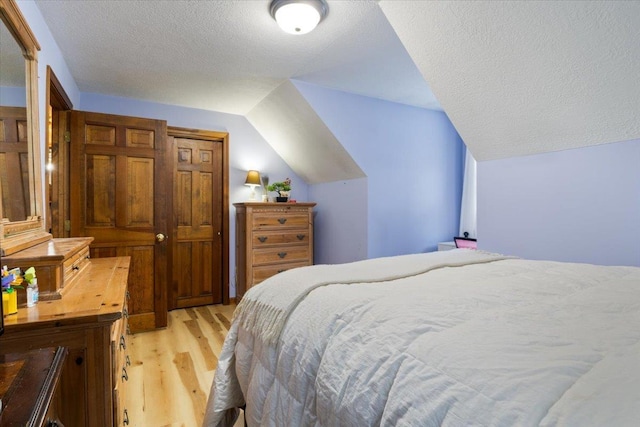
{"x": 525, "y": 77}
{"x": 514, "y": 77}
{"x": 228, "y": 55}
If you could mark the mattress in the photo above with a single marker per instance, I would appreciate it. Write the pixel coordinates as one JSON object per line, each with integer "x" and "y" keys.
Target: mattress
{"x": 455, "y": 338}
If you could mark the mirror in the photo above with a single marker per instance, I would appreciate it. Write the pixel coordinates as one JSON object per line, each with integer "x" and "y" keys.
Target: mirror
{"x": 14, "y": 152}
{"x": 22, "y": 225}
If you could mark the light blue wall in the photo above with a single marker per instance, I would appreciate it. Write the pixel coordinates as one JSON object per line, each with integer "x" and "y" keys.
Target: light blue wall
{"x": 413, "y": 160}
{"x": 13, "y": 96}
{"x": 580, "y": 205}
{"x": 340, "y": 221}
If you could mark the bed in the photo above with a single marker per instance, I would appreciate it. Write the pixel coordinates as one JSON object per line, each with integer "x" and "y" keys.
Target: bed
{"x": 453, "y": 338}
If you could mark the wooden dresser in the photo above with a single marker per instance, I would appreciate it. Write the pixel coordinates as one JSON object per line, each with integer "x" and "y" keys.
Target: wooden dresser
{"x": 90, "y": 321}
{"x": 271, "y": 238}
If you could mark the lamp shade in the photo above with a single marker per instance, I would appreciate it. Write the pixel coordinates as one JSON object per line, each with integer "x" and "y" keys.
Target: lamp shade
{"x": 253, "y": 178}
{"x": 298, "y": 16}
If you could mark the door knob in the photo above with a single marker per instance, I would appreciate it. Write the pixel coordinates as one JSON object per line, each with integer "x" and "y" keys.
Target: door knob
{"x": 160, "y": 237}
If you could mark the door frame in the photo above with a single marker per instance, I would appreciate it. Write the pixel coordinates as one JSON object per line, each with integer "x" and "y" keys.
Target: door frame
{"x": 57, "y": 101}
{"x": 207, "y": 135}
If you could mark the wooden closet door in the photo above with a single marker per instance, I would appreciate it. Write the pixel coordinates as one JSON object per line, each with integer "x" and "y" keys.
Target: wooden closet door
{"x": 198, "y": 235}
{"x": 120, "y": 195}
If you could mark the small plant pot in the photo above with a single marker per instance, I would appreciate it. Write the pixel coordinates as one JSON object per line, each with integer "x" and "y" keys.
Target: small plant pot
{"x": 281, "y": 199}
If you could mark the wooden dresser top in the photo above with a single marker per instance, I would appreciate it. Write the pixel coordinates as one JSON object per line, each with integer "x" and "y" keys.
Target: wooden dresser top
{"x": 54, "y": 249}
{"x": 98, "y": 296}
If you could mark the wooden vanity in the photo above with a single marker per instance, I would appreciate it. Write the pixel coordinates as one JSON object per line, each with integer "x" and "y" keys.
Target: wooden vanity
{"x": 90, "y": 320}
{"x": 58, "y": 264}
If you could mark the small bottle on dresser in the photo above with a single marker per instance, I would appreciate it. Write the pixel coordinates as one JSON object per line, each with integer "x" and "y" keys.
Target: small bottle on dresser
{"x": 32, "y": 293}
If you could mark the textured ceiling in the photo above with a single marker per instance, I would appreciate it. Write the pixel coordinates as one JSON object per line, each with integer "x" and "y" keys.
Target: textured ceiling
{"x": 228, "y": 55}
{"x": 518, "y": 78}
{"x": 514, "y": 77}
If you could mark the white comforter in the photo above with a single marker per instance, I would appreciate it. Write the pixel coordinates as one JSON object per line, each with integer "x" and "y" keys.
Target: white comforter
{"x": 503, "y": 343}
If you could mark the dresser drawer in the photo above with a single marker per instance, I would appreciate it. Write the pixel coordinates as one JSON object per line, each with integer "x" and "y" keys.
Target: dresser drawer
{"x": 280, "y": 255}
{"x": 263, "y": 273}
{"x": 118, "y": 349}
{"x": 120, "y": 366}
{"x": 280, "y": 220}
{"x": 270, "y": 238}
{"x": 73, "y": 266}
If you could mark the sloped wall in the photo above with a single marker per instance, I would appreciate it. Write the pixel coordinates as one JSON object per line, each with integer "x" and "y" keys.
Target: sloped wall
{"x": 519, "y": 78}
{"x": 291, "y": 126}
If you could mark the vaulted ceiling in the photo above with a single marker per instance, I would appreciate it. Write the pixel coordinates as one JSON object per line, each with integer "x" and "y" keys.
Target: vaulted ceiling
{"x": 515, "y": 78}
{"x": 525, "y": 77}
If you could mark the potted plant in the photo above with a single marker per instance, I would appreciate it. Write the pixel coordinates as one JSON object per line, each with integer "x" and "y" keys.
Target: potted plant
{"x": 282, "y": 188}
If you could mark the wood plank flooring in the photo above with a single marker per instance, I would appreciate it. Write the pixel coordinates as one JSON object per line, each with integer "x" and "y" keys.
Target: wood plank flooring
{"x": 172, "y": 369}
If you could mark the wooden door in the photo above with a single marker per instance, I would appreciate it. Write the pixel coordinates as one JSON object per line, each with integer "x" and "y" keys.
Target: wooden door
{"x": 14, "y": 163}
{"x": 200, "y": 248}
{"x": 119, "y": 196}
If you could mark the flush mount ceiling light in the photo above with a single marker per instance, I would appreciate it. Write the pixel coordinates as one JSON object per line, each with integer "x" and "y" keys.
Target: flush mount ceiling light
{"x": 298, "y": 16}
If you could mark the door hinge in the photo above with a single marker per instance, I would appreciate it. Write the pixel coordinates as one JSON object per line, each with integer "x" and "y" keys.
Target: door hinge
{"x": 67, "y": 136}
{"x": 67, "y": 225}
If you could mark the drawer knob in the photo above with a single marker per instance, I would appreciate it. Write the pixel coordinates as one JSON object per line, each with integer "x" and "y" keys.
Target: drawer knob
{"x": 125, "y": 376}
{"x": 125, "y": 313}
{"x": 123, "y": 342}
{"x": 280, "y": 271}
{"x": 262, "y": 239}
{"x": 282, "y": 254}
{"x": 75, "y": 268}
{"x": 128, "y": 361}
{"x": 125, "y": 418}
{"x": 300, "y": 236}
{"x": 282, "y": 220}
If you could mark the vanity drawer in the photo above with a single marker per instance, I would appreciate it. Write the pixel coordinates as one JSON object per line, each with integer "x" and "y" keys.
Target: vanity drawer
{"x": 73, "y": 266}
{"x": 263, "y": 273}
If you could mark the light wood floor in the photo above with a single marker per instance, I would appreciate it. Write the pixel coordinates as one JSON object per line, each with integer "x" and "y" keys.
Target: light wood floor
{"x": 172, "y": 369}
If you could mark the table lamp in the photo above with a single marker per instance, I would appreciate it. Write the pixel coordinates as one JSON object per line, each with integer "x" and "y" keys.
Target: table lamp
{"x": 253, "y": 181}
